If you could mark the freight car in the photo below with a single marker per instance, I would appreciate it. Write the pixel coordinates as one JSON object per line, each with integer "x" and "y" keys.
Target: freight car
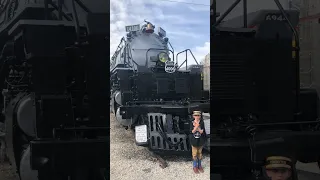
{"x": 151, "y": 93}
{"x": 257, "y": 103}
{"x": 53, "y": 78}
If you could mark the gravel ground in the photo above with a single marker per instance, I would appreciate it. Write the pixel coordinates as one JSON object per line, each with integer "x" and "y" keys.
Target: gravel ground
{"x": 131, "y": 162}
{"x": 6, "y": 172}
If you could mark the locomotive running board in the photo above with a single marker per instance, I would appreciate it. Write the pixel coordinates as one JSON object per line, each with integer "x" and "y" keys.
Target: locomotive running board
{"x": 158, "y": 143}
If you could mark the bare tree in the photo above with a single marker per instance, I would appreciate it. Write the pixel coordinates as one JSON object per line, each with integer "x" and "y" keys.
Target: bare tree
{"x": 295, "y": 4}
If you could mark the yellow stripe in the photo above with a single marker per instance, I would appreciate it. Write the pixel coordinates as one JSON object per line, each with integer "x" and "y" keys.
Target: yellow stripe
{"x": 294, "y": 45}
{"x": 278, "y": 158}
{"x": 272, "y": 166}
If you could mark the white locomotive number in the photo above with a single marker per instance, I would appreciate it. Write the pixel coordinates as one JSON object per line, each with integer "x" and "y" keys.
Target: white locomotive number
{"x": 133, "y": 28}
{"x": 275, "y": 17}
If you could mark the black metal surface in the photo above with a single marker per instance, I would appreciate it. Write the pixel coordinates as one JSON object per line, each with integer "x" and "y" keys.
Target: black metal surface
{"x": 96, "y": 24}
{"x": 49, "y": 116}
{"x": 165, "y": 86}
{"x": 231, "y": 79}
{"x": 66, "y": 155}
{"x": 297, "y": 58}
{"x": 254, "y": 72}
{"x": 65, "y": 79}
{"x": 268, "y": 87}
{"x": 309, "y": 101}
{"x": 11, "y": 130}
{"x": 168, "y": 109}
{"x": 275, "y": 74}
{"x": 157, "y": 143}
{"x": 170, "y": 141}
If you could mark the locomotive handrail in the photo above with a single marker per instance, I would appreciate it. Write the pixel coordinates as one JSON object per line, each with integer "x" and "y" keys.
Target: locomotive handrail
{"x": 171, "y": 48}
{"x": 158, "y": 49}
{"x": 186, "y": 61}
{"x": 117, "y": 51}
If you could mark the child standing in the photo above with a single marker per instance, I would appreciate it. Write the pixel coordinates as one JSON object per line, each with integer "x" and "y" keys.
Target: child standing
{"x": 197, "y": 140}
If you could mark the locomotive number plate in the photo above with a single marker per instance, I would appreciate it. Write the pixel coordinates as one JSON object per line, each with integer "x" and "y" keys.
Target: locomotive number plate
{"x": 133, "y": 28}
{"x": 275, "y": 17}
{"x": 169, "y": 67}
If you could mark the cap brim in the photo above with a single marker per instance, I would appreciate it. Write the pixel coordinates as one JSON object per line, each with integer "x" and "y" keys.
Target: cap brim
{"x": 278, "y": 166}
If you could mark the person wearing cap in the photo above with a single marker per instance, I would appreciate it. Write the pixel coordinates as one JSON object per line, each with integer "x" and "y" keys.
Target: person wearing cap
{"x": 197, "y": 140}
{"x": 278, "y": 168}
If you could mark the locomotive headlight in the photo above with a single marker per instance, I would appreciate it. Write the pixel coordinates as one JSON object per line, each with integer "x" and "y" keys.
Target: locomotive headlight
{"x": 163, "y": 57}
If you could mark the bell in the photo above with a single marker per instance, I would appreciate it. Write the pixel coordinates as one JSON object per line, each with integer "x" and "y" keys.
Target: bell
{"x": 149, "y": 28}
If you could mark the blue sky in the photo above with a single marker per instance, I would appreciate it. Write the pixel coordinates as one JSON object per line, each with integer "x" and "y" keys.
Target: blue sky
{"x": 187, "y": 25}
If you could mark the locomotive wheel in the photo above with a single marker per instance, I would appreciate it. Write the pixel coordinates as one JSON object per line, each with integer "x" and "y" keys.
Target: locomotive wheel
{"x": 25, "y": 171}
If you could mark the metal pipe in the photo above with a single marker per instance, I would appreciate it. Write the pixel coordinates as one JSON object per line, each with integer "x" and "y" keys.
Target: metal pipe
{"x": 75, "y": 19}
{"x": 226, "y": 13}
{"x": 213, "y": 7}
{"x": 186, "y": 60}
{"x": 245, "y": 14}
{"x": 84, "y": 7}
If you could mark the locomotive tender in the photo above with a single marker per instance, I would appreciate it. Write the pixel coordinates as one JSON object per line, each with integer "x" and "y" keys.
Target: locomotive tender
{"x": 259, "y": 108}
{"x": 53, "y": 78}
{"x": 151, "y": 93}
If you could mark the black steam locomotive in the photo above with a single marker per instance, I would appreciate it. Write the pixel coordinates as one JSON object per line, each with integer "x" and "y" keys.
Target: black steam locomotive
{"x": 151, "y": 93}
{"x": 258, "y": 107}
{"x": 53, "y": 78}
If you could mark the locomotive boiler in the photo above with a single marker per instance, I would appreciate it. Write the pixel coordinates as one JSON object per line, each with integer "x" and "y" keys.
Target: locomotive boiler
{"x": 53, "y": 86}
{"x": 151, "y": 93}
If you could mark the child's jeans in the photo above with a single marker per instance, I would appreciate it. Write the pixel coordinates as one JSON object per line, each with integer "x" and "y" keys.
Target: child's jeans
{"x": 197, "y": 156}
{"x": 196, "y": 152}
